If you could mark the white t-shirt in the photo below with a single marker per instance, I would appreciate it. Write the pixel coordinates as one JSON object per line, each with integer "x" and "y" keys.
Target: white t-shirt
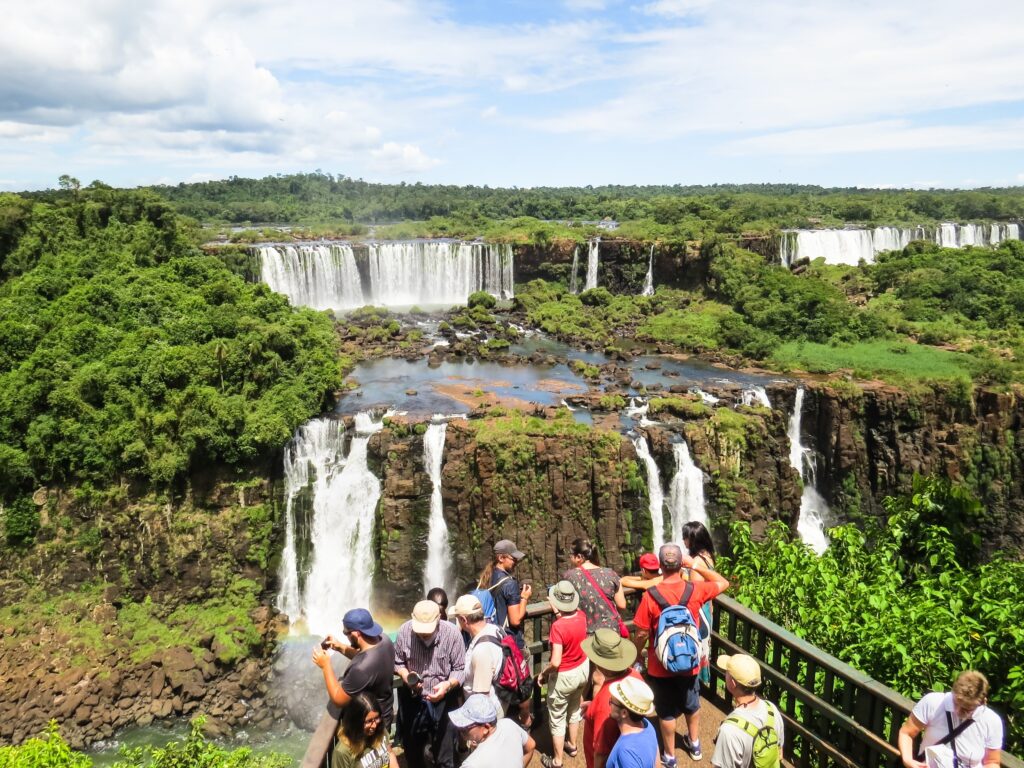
{"x": 502, "y": 749}
{"x": 734, "y": 747}
{"x": 985, "y": 733}
{"x": 480, "y": 657}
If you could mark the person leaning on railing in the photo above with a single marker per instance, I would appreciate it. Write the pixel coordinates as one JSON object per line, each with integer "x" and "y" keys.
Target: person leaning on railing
{"x": 956, "y": 727}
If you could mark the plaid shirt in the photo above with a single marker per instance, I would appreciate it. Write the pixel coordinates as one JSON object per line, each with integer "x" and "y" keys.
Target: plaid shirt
{"x": 444, "y": 658}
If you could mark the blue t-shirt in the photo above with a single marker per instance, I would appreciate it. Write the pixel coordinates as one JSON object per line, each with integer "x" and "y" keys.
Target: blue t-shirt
{"x": 504, "y": 596}
{"x": 635, "y": 750}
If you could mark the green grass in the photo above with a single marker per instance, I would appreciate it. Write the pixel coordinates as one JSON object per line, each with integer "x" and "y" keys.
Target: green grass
{"x": 893, "y": 361}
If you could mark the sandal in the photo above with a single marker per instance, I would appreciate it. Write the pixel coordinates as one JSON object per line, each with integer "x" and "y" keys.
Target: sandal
{"x": 571, "y": 751}
{"x": 549, "y": 762}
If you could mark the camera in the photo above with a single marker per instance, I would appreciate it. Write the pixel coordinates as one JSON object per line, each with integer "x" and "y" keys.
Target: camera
{"x": 325, "y": 644}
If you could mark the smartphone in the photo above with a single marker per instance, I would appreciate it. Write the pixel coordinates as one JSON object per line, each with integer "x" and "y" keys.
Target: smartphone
{"x": 325, "y": 644}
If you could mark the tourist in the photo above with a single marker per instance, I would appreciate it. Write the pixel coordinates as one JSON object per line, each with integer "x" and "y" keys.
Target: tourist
{"x": 697, "y": 540}
{"x": 440, "y": 597}
{"x": 957, "y": 726}
{"x": 754, "y": 727}
{"x": 631, "y": 705}
{"x": 612, "y": 656}
{"x": 372, "y": 668}
{"x": 362, "y": 738}
{"x": 495, "y": 743}
{"x": 509, "y": 598}
{"x": 430, "y": 658}
{"x": 483, "y": 660}
{"x": 600, "y": 590}
{"x": 650, "y": 573}
{"x": 674, "y": 694}
{"x": 571, "y": 671}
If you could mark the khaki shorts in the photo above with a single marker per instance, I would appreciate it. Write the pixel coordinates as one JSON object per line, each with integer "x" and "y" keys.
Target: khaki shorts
{"x": 565, "y": 692}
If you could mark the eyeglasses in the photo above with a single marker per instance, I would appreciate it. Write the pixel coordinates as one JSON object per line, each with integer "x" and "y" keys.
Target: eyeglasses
{"x": 371, "y": 720}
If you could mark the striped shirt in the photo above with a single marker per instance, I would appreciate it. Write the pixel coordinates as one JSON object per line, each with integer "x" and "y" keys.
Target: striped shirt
{"x": 444, "y": 658}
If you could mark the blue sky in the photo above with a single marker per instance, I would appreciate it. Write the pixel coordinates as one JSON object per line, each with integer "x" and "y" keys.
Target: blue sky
{"x": 514, "y": 92}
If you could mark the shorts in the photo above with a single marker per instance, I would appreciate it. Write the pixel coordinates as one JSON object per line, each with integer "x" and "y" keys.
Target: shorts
{"x": 675, "y": 696}
{"x": 565, "y": 692}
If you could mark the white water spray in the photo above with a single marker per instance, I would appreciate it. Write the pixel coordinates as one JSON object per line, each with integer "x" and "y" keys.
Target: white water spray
{"x": 649, "y": 279}
{"x": 437, "y": 572}
{"x": 810, "y": 525}
{"x": 317, "y": 276}
{"x": 686, "y": 493}
{"x": 593, "y": 260}
{"x": 756, "y": 396}
{"x": 573, "y": 284}
{"x": 655, "y": 495}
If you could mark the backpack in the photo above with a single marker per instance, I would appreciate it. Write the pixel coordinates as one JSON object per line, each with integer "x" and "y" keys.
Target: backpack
{"x": 486, "y": 598}
{"x": 677, "y": 641}
{"x": 514, "y": 676}
{"x": 765, "y": 752}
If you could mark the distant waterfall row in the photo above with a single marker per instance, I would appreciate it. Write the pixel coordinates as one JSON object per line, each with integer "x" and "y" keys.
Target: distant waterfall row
{"x": 848, "y": 246}
{"x": 330, "y": 275}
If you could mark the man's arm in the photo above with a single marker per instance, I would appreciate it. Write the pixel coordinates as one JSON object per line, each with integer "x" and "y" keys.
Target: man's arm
{"x": 620, "y": 598}
{"x": 334, "y": 690}
{"x": 710, "y": 576}
{"x": 528, "y": 749}
{"x": 908, "y": 732}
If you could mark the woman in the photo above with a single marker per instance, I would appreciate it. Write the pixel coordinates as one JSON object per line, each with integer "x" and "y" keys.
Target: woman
{"x": 600, "y": 589}
{"x": 698, "y": 544}
{"x": 362, "y": 740}
{"x": 956, "y": 725}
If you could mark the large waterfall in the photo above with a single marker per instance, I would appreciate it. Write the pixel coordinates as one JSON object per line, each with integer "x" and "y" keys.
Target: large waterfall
{"x": 593, "y": 260}
{"x": 655, "y": 495}
{"x": 437, "y": 572}
{"x": 848, "y": 246}
{"x": 813, "y": 508}
{"x": 573, "y": 283}
{"x": 432, "y": 272}
{"x": 649, "y": 279}
{"x": 686, "y": 494}
{"x": 343, "y": 493}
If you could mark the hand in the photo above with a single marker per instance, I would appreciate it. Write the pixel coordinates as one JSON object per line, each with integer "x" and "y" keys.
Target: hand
{"x": 584, "y": 706}
{"x": 541, "y": 677}
{"x": 439, "y": 692}
{"x": 526, "y": 591}
{"x": 321, "y": 657}
{"x": 332, "y": 643}
{"x": 914, "y": 764}
{"x": 686, "y": 561}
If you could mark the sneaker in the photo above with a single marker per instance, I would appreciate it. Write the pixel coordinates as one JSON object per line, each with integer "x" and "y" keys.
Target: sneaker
{"x": 693, "y": 747}
{"x": 669, "y": 762}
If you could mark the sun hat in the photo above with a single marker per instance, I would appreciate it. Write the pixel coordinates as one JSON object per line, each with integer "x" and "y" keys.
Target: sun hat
{"x": 633, "y": 694}
{"x": 466, "y": 605}
{"x": 607, "y": 649}
{"x": 360, "y": 620}
{"x": 649, "y": 561}
{"x": 744, "y": 669}
{"x": 425, "y": 615}
{"x": 477, "y": 710}
{"x": 508, "y": 547}
{"x": 564, "y": 596}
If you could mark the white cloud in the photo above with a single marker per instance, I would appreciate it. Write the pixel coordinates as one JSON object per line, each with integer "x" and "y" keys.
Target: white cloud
{"x": 585, "y": 5}
{"x": 401, "y": 158}
{"x": 489, "y": 113}
{"x": 676, "y": 8}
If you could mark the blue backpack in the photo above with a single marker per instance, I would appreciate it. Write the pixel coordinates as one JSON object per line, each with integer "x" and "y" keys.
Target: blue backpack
{"x": 486, "y": 598}
{"x": 677, "y": 642}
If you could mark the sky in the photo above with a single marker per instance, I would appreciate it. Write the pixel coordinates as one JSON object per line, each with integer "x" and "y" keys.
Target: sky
{"x": 873, "y": 93}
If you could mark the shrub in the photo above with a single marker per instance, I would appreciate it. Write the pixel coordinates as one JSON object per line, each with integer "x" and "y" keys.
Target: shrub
{"x": 21, "y": 521}
{"x": 482, "y": 299}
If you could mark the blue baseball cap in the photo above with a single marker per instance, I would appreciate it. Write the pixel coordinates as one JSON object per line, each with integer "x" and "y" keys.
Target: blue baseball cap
{"x": 360, "y": 620}
{"x": 477, "y": 710}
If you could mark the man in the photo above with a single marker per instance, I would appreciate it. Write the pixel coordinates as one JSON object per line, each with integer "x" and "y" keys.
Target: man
{"x": 509, "y": 598}
{"x": 675, "y": 694}
{"x": 372, "y": 668}
{"x": 631, "y": 705}
{"x": 430, "y": 659}
{"x": 734, "y": 747}
{"x": 494, "y": 743}
{"x": 483, "y": 659}
{"x": 613, "y": 655}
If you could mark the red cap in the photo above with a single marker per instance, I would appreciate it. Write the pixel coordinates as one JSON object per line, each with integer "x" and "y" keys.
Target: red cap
{"x": 649, "y": 561}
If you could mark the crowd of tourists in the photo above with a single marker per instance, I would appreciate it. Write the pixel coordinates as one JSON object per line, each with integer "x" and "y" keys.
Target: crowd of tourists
{"x": 467, "y": 687}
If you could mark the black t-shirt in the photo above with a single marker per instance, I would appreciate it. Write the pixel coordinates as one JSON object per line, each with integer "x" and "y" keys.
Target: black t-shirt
{"x": 505, "y": 595}
{"x": 373, "y": 671}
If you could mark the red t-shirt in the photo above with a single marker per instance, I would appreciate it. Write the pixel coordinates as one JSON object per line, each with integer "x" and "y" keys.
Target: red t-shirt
{"x": 649, "y": 612}
{"x": 570, "y": 632}
{"x": 599, "y": 730}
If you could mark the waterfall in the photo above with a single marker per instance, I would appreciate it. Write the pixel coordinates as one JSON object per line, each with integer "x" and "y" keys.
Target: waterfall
{"x": 756, "y": 396}
{"x": 317, "y": 276}
{"x": 344, "y": 494}
{"x": 573, "y": 287}
{"x": 814, "y": 509}
{"x": 437, "y": 572}
{"x": 686, "y": 494}
{"x": 430, "y": 272}
{"x": 849, "y": 246}
{"x": 649, "y": 279}
{"x": 655, "y": 495}
{"x": 593, "y": 260}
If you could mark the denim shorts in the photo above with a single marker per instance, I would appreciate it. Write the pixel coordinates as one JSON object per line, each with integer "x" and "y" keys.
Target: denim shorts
{"x": 675, "y": 696}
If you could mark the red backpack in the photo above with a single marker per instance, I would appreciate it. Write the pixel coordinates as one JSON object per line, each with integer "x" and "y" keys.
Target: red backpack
{"x": 515, "y": 674}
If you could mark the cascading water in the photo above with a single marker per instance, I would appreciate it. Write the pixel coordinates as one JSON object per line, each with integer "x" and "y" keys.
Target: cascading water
{"x": 422, "y": 272}
{"x": 437, "y": 572}
{"x": 813, "y": 508}
{"x": 756, "y": 396}
{"x": 848, "y": 246}
{"x": 649, "y": 279}
{"x": 655, "y": 495}
{"x": 344, "y": 495}
{"x": 573, "y": 284}
{"x": 593, "y": 260}
{"x": 686, "y": 494}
